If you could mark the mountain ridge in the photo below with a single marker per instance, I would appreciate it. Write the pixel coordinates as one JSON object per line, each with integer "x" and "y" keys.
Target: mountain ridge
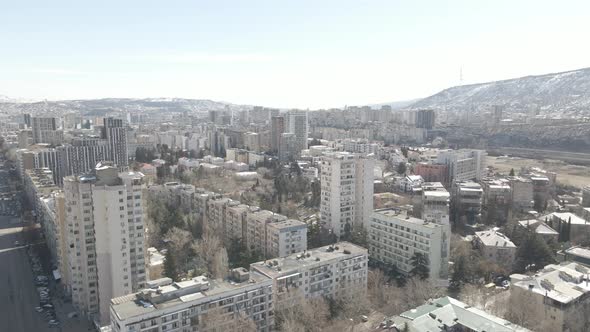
{"x": 567, "y": 91}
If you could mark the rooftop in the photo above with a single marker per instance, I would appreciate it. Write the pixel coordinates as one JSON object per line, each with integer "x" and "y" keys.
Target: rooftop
{"x": 289, "y": 223}
{"x": 579, "y": 251}
{"x": 565, "y": 216}
{"x": 445, "y": 312}
{"x": 563, "y": 283}
{"x": 539, "y": 226}
{"x": 277, "y": 267}
{"x": 492, "y": 238}
{"x": 402, "y": 215}
{"x": 166, "y": 294}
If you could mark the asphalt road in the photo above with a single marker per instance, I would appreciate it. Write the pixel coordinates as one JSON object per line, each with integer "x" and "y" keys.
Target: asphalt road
{"x": 18, "y": 296}
{"x": 18, "y": 293}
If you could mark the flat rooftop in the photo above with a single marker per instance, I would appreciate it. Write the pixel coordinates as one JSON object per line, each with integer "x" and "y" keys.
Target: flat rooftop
{"x": 563, "y": 283}
{"x": 579, "y": 251}
{"x": 402, "y": 215}
{"x": 279, "y": 266}
{"x": 436, "y": 193}
{"x": 287, "y": 224}
{"x": 132, "y": 305}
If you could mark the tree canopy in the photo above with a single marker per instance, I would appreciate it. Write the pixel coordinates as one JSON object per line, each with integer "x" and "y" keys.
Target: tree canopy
{"x": 419, "y": 264}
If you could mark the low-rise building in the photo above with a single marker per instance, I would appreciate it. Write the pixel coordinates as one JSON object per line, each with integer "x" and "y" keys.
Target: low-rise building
{"x": 410, "y": 182}
{"x": 579, "y": 228}
{"x": 559, "y": 295}
{"x": 576, "y": 254}
{"x": 522, "y": 193}
{"x": 495, "y": 247}
{"x": 395, "y": 238}
{"x": 432, "y": 172}
{"x": 541, "y": 228}
{"x": 448, "y": 314}
{"x": 198, "y": 304}
{"x": 337, "y": 271}
{"x": 467, "y": 200}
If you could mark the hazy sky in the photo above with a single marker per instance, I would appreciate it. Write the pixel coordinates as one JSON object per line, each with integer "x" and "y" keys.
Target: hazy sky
{"x": 306, "y": 54}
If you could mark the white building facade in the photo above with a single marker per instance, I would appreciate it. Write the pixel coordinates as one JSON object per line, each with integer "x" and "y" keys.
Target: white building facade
{"x": 106, "y": 252}
{"x": 395, "y": 237}
{"x": 346, "y": 191}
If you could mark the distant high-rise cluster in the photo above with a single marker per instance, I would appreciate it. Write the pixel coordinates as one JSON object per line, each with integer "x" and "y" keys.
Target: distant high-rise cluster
{"x": 78, "y": 154}
{"x": 45, "y": 130}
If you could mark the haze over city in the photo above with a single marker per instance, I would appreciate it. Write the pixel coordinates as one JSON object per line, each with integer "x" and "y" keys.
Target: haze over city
{"x": 303, "y": 54}
{"x": 295, "y": 166}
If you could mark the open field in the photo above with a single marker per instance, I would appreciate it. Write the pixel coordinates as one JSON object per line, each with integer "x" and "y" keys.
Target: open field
{"x": 574, "y": 175}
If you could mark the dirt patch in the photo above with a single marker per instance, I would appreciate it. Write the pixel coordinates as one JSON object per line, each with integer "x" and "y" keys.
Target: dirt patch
{"x": 573, "y": 175}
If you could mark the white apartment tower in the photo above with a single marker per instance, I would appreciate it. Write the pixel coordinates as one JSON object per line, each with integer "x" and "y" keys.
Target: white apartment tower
{"x": 346, "y": 191}
{"x": 106, "y": 257}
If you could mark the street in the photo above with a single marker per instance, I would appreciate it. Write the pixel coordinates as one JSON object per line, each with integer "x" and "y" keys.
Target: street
{"x": 18, "y": 293}
{"x": 18, "y": 296}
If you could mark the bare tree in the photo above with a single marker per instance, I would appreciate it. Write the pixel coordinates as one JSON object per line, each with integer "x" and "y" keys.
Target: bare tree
{"x": 179, "y": 243}
{"x": 210, "y": 251}
{"x": 417, "y": 291}
{"x": 218, "y": 319}
{"x": 308, "y": 315}
{"x": 220, "y": 265}
{"x": 392, "y": 300}
{"x": 524, "y": 311}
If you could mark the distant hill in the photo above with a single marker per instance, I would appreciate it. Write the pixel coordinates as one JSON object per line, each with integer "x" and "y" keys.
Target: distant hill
{"x": 6, "y": 99}
{"x": 559, "y": 92}
{"x": 100, "y": 106}
{"x": 397, "y": 104}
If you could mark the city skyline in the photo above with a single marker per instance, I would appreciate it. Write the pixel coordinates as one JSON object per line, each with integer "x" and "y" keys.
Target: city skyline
{"x": 288, "y": 56}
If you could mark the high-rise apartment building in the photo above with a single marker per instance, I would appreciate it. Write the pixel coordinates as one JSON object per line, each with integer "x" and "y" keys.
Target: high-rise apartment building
{"x": 288, "y": 147}
{"x": 106, "y": 253}
{"x": 297, "y": 123}
{"x": 82, "y": 155}
{"x": 425, "y": 119}
{"x": 41, "y": 157}
{"x": 115, "y": 133}
{"x": 277, "y": 127}
{"x": 346, "y": 191}
{"x": 45, "y": 130}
